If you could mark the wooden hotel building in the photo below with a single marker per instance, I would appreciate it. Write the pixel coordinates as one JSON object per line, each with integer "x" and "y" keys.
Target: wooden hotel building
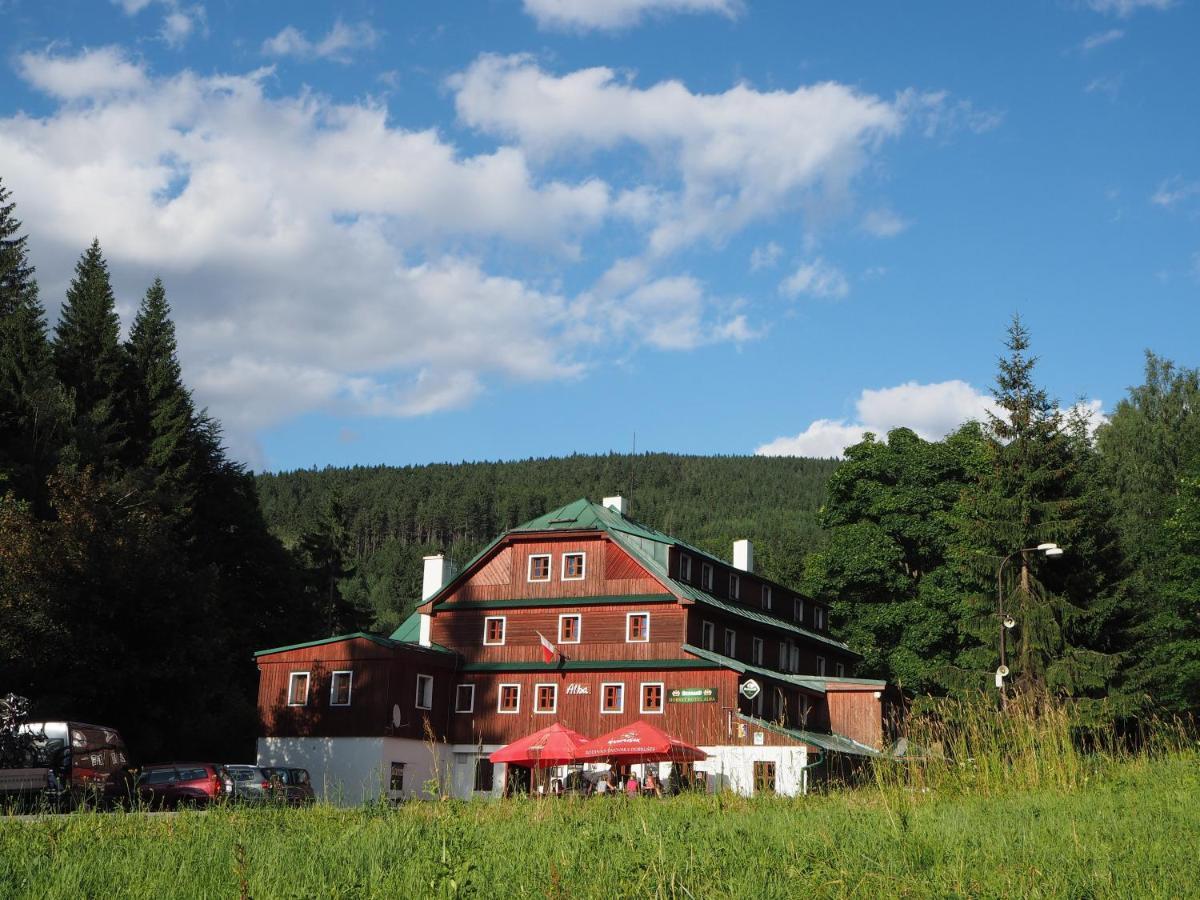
{"x": 642, "y": 626}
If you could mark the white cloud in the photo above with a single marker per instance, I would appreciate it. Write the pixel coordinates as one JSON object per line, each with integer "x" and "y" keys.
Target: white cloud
{"x": 1109, "y": 85}
{"x": 337, "y": 45}
{"x": 765, "y": 257}
{"x": 610, "y": 15}
{"x": 1173, "y": 191}
{"x": 816, "y": 278}
{"x": 931, "y": 410}
{"x": 740, "y": 155}
{"x": 884, "y": 223}
{"x": 1123, "y": 9}
{"x": 180, "y": 20}
{"x": 92, "y": 73}
{"x": 938, "y": 115}
{"x": 1101, "y": 38}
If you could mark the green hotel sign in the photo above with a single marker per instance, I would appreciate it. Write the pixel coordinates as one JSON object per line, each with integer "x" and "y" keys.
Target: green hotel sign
{"x": 692, "y": 695}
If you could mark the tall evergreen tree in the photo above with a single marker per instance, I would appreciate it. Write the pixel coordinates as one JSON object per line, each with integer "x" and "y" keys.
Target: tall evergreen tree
{"x": 162, "y": 416}
{"x": 91, "y": 362}
{"x": 1031, "y": 490}
{"x": 31, "y": 403}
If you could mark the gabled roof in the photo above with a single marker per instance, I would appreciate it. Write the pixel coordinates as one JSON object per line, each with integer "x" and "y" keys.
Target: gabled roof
{"x": 387, "y": 643}
{"x": 651, "y": 548}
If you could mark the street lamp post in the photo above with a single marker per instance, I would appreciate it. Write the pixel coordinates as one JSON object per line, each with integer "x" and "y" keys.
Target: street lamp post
{"x": 1049, "y": 550}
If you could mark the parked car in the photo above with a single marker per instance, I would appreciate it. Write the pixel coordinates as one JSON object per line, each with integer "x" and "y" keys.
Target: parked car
{"x": 292, "y": 786}
{"x": 168, "y": 785}
{"x": 248, "y": 783}
{"x": 67, "y": 764}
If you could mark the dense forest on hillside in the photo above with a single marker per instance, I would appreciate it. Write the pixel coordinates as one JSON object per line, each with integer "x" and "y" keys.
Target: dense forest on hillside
{"x": 372, "y": 525}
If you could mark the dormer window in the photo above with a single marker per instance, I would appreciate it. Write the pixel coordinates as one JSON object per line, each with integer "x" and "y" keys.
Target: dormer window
{"x": 572, "y": 566}
{"x": 539, "y": 567}
{"x": 840, "y": 669}
{"x": 756, "y": 651}
{"x": 708, "y": 635}
{"x": 730, "y": 643}
{"x": 685, "y": 567}
{"x": 706, "y": 576}
{"x": 766, "y": 597}
{"x": 798, "y": 610}
{"x": 735, "y": 587}
{"x": 819, "y": 617}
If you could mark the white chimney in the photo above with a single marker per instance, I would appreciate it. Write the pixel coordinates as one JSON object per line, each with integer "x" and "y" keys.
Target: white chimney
{"x": 438, "y": 572}
{"x": 616, "y": 503}
{"x": 743, "y": 555}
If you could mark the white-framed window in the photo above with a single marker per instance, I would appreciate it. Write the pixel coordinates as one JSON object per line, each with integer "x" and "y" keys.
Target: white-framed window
{"x": 573, "y": 566}
{"x": 730, "y": 642}
{"x": 820, "y": 665}
{"x": 464, "y": 698}
{"x": 652, "y": 698}
{"x": 783, "y": 656}
{"x": 795, "y": 651}
{"x": 539, "y": 567}
{"x": 340, "y": 685}
{"x": 298, "y": 689}
{"x": 494, "y": 628}
{"x": 685, "y": 567}
{"x": 756, "y": 651}
{"x": 840, "y": 669}
{"x": 798, "y": 610}
{"x": 545, "y": 698}
{"x": 706, "y": 576}
{"x": 570, "y": 625}
{"x": 735, "y": 587}
{"x": 424, "y": 692}
{"x": 767, "y": 597}
{"x": 819, "y": 617}
{"x": 612, "y": 697}
{"x": 637, "y": 627}
{"x": 509, "y": 698}
{"x": 708, "y": 635}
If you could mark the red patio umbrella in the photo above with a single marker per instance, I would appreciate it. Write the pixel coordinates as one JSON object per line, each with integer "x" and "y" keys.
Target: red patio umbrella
{"x": 554, "y": 745}
{"x": 640, "y": 742}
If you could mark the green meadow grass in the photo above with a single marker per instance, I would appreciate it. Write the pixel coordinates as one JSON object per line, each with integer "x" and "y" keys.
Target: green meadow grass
{"x": 1029, "y": 817}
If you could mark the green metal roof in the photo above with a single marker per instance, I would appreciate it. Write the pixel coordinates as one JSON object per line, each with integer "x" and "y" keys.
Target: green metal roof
{"x": 834, "y": 743}
{"x": 373, "y": 638}
{"x": 579, "y": 665}
{"x": 728, "y": 662}
{"x": 651, "y": 548}
{"x": 409, "y": 631}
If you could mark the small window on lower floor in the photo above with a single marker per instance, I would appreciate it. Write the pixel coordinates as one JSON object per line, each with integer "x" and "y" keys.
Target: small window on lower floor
{"x": 424, "y": 692}
{"x": 764, "y": 777}
{"x": 298, "y": 689}
{"x": 612, "y": 697}
{"x": 510, "y": 698}
{"x": 396, "y": 778}
{"x": 545, "y": 698}
{"x": 464, "y": 698}
{"x": 485, "y": 774}
{"x": 339, "y": 688}
{"x": 652, "y": 697}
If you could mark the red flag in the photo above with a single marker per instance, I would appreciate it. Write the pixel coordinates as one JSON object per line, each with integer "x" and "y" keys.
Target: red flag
{"x": 549, "y": 651}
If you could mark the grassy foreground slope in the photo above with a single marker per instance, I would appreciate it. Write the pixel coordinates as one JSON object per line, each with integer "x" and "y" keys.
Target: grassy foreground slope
{"x": 1128, "y": 830}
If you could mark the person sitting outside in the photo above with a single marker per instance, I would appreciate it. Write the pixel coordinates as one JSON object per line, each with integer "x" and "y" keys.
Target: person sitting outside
{"x": 631, "y": 786}
{"x": 651, "y": 785}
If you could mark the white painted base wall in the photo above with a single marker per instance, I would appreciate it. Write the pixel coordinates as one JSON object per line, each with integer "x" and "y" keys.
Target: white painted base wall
{"x": 350, "y": 771}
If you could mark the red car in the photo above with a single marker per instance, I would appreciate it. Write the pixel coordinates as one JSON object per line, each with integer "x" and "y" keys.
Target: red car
{"x": 168, "y": 785}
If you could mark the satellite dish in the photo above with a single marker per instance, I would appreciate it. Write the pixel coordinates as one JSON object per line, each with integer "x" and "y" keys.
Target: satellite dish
{"x": 396, "y": 720}
{"x": 1009, "y": 622}
{"x": 1002, "y": 671}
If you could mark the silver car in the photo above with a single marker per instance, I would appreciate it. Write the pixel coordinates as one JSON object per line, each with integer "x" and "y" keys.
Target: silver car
{"x": 249, "y": 783}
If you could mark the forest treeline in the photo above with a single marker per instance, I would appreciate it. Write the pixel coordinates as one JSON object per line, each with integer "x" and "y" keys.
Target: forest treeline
{"x": 137, "y": 575}
{"x": 368, "y": 527}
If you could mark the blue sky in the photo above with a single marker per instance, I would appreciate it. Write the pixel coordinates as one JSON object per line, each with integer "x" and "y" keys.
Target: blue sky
{"x": 422, "y": 232}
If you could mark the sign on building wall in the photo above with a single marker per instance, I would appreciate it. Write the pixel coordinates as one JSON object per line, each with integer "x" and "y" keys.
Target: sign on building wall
{"x": 692, "y": 695}
{"x": 750, "y": 689}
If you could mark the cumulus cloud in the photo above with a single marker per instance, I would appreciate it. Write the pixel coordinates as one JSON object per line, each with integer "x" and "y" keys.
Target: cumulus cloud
{"x": 92, "y": 73}
{"x": 765, "y": 257}
{"x": 611, "y": 15}
{"x": 816, "y": 278}
{"x": 740, "y": 155}
{"x": 931, "y": 410}
{"x": 338, "y": 45}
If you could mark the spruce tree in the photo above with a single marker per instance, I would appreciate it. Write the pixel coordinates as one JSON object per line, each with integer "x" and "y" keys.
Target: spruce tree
{"x": 1033, "y": 489}
{"x": 162, "y": 416}
{"x": 31, "y": 402}
{"x": 90, "y": 362}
